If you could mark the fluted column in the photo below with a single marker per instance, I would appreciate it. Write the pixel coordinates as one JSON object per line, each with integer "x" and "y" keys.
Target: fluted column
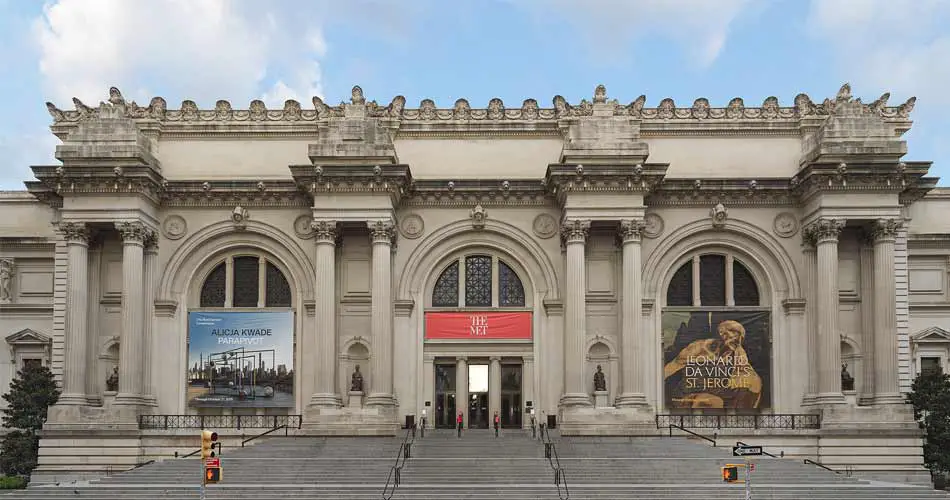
{"x": 527, "y": 386}
{"x": 151, "y": 275}
{"x": 494, "y": 386}
{"x": 631, "y": 332}
{"x": 867, "y": 319}
{"x": 826, "y": 232}
{"x": 323, "y": 341}
{"x": 131, "y": 340}
{"x": 886, "y": 388}
{"x": 382, "y": 233}
{"x": 574, "y": 232}
{"x": 461, "y": 389}
{"x": 77, "y": 307}
{"x": 811, "y": 313}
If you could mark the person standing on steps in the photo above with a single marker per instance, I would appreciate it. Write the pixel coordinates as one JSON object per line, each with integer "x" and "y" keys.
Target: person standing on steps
{"x": 458, "y": 423}
{"x": 497, "y": 421}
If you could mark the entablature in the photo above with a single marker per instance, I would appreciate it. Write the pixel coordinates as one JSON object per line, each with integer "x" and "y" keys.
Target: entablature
{"x": 391, "y": 180}
{"x": 57, "y": 182}
{"x": 907, "y": 179}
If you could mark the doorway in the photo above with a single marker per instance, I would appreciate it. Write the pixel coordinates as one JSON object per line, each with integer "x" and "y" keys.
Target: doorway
{"x": 511, "y": 404}
{"x": 478, "y": 416}
{"x": 445, "y": 402}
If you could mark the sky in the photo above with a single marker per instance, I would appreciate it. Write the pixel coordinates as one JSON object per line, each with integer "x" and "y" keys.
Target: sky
{"x": 274, "y": 50}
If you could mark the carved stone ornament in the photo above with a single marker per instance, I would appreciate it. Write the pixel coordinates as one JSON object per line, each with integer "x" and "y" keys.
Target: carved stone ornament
{"x": 785, "y": 224}
{"x": 134, "y": 232}
{"x": 825, "y": 230}
{"x": 6, "y": 281}
{"x": 631, "y": 230}
{"x": 719, "y": 214}
{"x": 411, "y": 226}
{"x": 302, "y": 226}
{"x": 575, "y": 230}
{"x": 653, "y": 225}
{"x": 544, "y": 226}
{"x": 478, "y": 215}
{"x": 174, "y": 227}
{"x": 77, "y": 232}
{"x": 324, "y": 230}
{"x": 381, "y": 231}
{"x": 885, "y": 229}
{"x": 239, "y": 217}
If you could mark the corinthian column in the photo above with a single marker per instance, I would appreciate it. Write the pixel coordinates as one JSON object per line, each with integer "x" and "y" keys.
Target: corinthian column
{"x": 826, "y": 232}
{"x": 574, "y": 232}
{"x": 631, "y": 357}
{"x": 131, "y": 340}
{"x": 886, "y": 388}
{"x": 77, "y": 306}
{"x": 323, "y": 341}
{"x": 151, "y": 275}
{"x": 382, "y": 233}
{"x": 811, "y": 313}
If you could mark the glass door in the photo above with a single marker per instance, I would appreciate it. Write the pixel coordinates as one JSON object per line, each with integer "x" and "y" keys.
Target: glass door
{"x": 445, "y": 402}
{"x": 511, "y": 404}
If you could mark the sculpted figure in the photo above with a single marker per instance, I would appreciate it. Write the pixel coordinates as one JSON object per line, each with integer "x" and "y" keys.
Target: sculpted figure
{"x": 600, "y": 381}
{"x": 6, "y": 278}
{"x": 112, "y": 383}
{"x": 356, "y": 381}
{"x": 847, "y": 380}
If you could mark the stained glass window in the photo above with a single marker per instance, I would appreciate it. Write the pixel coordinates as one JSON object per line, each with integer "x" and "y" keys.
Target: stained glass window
{"x": 712, "y": 280}
{"x": 213, "y": 289}
{"x": 744, "y": 288}
{"x": 510, "y": 289}
{"x": 478, "y": 281}
{"x": 246, "y": 281}
{"x": 277, "y": 291}
{"x": 446, "y": 291}
{"x": 680, "y": 291}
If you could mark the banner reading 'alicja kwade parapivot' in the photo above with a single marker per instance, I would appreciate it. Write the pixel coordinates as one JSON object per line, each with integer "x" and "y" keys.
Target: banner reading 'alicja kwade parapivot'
{"x": 240, "y": 359}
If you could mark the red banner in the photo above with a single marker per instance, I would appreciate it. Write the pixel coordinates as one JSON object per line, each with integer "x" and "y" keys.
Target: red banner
{"x": 478, "y": 325}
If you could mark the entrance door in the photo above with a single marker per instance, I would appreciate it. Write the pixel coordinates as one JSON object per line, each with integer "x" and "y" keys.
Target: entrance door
{"x": 478, "y": 411}
{"x": 445, "y": 396}
{"x": 511, "y": 404}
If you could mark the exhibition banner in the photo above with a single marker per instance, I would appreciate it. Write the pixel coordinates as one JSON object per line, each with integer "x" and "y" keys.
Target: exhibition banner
{"x": 717, "y": 360}
{"x": 478, "y": 325}
{"x": 241, "y": 359}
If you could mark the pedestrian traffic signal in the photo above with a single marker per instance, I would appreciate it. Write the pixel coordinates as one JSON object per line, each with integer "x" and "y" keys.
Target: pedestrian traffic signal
{"x": 730, "y": 474}
{"x": 208, "y": 441}
{"x": 212, "y": 475}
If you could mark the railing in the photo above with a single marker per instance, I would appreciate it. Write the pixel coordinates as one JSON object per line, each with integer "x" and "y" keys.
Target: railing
{"x": 252, "y": 438}
{"x": 823, "y": 466}
{"x": 550, "y": 453}
{"x": 694, "y": 434}
{"x": 395, "y": 472}
{"x": 740, "y": 443}
{"x": 757, "y": 421}
{"x": 218, "y": 421}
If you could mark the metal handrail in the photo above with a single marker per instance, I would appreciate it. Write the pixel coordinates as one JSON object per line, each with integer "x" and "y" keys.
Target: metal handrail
{"x": 740, "y": 421}
{"x": 555, "y": 462}
{"x": 823, "y": 466}
{"x": 395, "y": 472}
{"x": 696, "y": 434}
{"x": 252, "y": 438}
{"x": 218, "y": 421}
{"x": 740, "y": 443}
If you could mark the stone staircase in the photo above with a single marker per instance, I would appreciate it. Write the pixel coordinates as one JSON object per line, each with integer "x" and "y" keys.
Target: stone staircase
{"x": 478, "y": 466}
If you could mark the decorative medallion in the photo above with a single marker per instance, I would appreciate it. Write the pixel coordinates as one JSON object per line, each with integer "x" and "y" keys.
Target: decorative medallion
{"x": 785, "y": 224}
{"x": 411, "y": 226}
{"x": 653, "y": 225}
{"x": 239, "y": 217}
{"x": 719, "y": 214}
{"x": 174, "y": 227}
{"x": 544, "y": 226}
{"x": 478, "y": 215}
{"x": 302, "y": 226}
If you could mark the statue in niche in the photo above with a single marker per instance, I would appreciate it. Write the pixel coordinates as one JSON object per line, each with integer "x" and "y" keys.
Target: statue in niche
{"x": 6, "y": 279}
{"x": 600, "y": 381}
{"x": 356, "y": 381}
{"x": 112, "y": 383}
{"x": 847, "y": 381}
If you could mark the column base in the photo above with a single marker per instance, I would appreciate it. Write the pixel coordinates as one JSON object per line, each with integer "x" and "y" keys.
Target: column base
{"x": 129, "y": 400}
{"x": 575, "y": 400}
{"x": 830, "y": 399}
{"x": 325, "y": 400}
{"x": 867, "y": 400}
{"x": 73, "y": 400}
{"x": 579, "y": 421}
{"x": 380, "y": 399}
{"x": 632, "y": 400}
{"x": 346, "y": 421}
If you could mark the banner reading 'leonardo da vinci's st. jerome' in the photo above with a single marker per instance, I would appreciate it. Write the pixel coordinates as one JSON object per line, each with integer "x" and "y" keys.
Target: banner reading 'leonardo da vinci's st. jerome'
{"x": 716, "y": 360}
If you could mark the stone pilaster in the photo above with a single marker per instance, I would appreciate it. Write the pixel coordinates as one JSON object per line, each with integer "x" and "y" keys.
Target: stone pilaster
{"x": 382, "y": 233}
{"x": 323, "y": 339}
{"x": 76, "y": 235}
{"x": 826, "y": 232}
{"x": 494, "y": 386}
{"x": 886, "y": 388}
{"x": 574, "y": 233}
{"x": 527, "y": 385}
{"x": 632, "y": 313}
{"x": 151, "y": 283}
{"x": 131, "y": 341}
{"x": 461, "y": 389}
{"x": 810, "y": 276}
{"x": 866, "y": 395}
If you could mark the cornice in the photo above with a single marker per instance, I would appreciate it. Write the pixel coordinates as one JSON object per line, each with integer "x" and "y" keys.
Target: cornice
{"x": 28, "y": 243}
{"x": 245, "y": 193}
{"x": 904, "y": 178}
{"x": 20, "y": 309}
{"x": 562, "y": 179}
{"x": 55, "y": 182}
{"x": 470, "y": 192}
{"x": 393, "y": 180}
{"x": 731, "y": 191}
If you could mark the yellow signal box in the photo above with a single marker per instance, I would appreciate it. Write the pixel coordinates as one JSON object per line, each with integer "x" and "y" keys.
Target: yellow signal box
{"x": 208, "y": 441}
{"x": 730, "y": 473}
{"x": 212, "y": 475}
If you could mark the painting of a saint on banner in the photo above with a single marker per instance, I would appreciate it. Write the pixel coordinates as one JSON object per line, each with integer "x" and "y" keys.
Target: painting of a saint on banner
{"x": 241, "y": 359}
{"x": 717, "y": 360}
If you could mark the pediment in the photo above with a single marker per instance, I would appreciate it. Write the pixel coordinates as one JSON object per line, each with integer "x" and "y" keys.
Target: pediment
{"x": 931, "y": 334}
{"x": 28, "y": 336}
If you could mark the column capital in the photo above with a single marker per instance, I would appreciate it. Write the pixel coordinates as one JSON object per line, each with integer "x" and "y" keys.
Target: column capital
{"x": 825, "y": 230}
{"x": 885, "y": 229}
{"x": 324, "y": 230}
{"x": 381, "y": 231}
{"x": 631, "y": 230}
{"x": 575, "y": 230}
{"x": 496, "y": 359}
{"x": 134, "y": 232}
{"x": 75, "y": 232}
{"x": 461, "y": 358}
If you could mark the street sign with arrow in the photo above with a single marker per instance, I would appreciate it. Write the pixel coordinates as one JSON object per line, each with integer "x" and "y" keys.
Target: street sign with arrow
{"x": 745, "y": 451}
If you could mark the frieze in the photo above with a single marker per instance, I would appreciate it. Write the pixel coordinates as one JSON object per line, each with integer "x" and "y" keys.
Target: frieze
{"x": 393, "y": 180}
{"x": 231, "y": 193}
{"x": 55, "y": 182}
{"x": 906, "y": 178}
{"x": 710, "y": 192}
{"x": 470, "y": 192}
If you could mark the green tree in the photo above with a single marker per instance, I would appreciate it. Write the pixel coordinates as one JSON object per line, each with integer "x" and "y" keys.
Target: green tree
{"x": 31, "y": 394}
{"x": 930, "y": 396}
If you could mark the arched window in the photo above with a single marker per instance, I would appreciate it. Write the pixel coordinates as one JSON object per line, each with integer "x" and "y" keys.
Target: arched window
{"x": 711, "y": 280}
{"x": 484, "y": 281}
{"x": 245, "y": 281}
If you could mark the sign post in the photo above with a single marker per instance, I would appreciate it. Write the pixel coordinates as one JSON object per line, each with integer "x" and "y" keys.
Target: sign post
{"x": 748, "y": 479}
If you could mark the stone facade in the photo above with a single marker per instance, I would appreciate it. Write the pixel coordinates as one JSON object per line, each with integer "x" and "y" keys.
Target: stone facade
{"x": 591, "y": 209}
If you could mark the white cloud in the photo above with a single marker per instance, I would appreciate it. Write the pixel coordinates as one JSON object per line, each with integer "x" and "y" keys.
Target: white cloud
{"x": 700, "y": 26}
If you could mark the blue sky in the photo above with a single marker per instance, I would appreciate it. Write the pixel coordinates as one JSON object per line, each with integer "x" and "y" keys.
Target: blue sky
{"x": 478, "y": 49}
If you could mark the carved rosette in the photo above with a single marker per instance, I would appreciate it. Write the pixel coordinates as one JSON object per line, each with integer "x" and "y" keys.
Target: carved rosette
{"x": 324, "y": 231}
{"x": 631, "y": 230}
{"x": 575, "y": 230}
{"x": 134, "y": 232}
{"x": 825, "y": 230}
{"x": 75, "y": 232}
{"x": 382, "y": 231}
{"x": 885, "y": 229}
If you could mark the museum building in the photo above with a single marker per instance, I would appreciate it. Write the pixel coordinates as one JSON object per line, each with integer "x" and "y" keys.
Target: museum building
{"x": 772, "y": 272}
